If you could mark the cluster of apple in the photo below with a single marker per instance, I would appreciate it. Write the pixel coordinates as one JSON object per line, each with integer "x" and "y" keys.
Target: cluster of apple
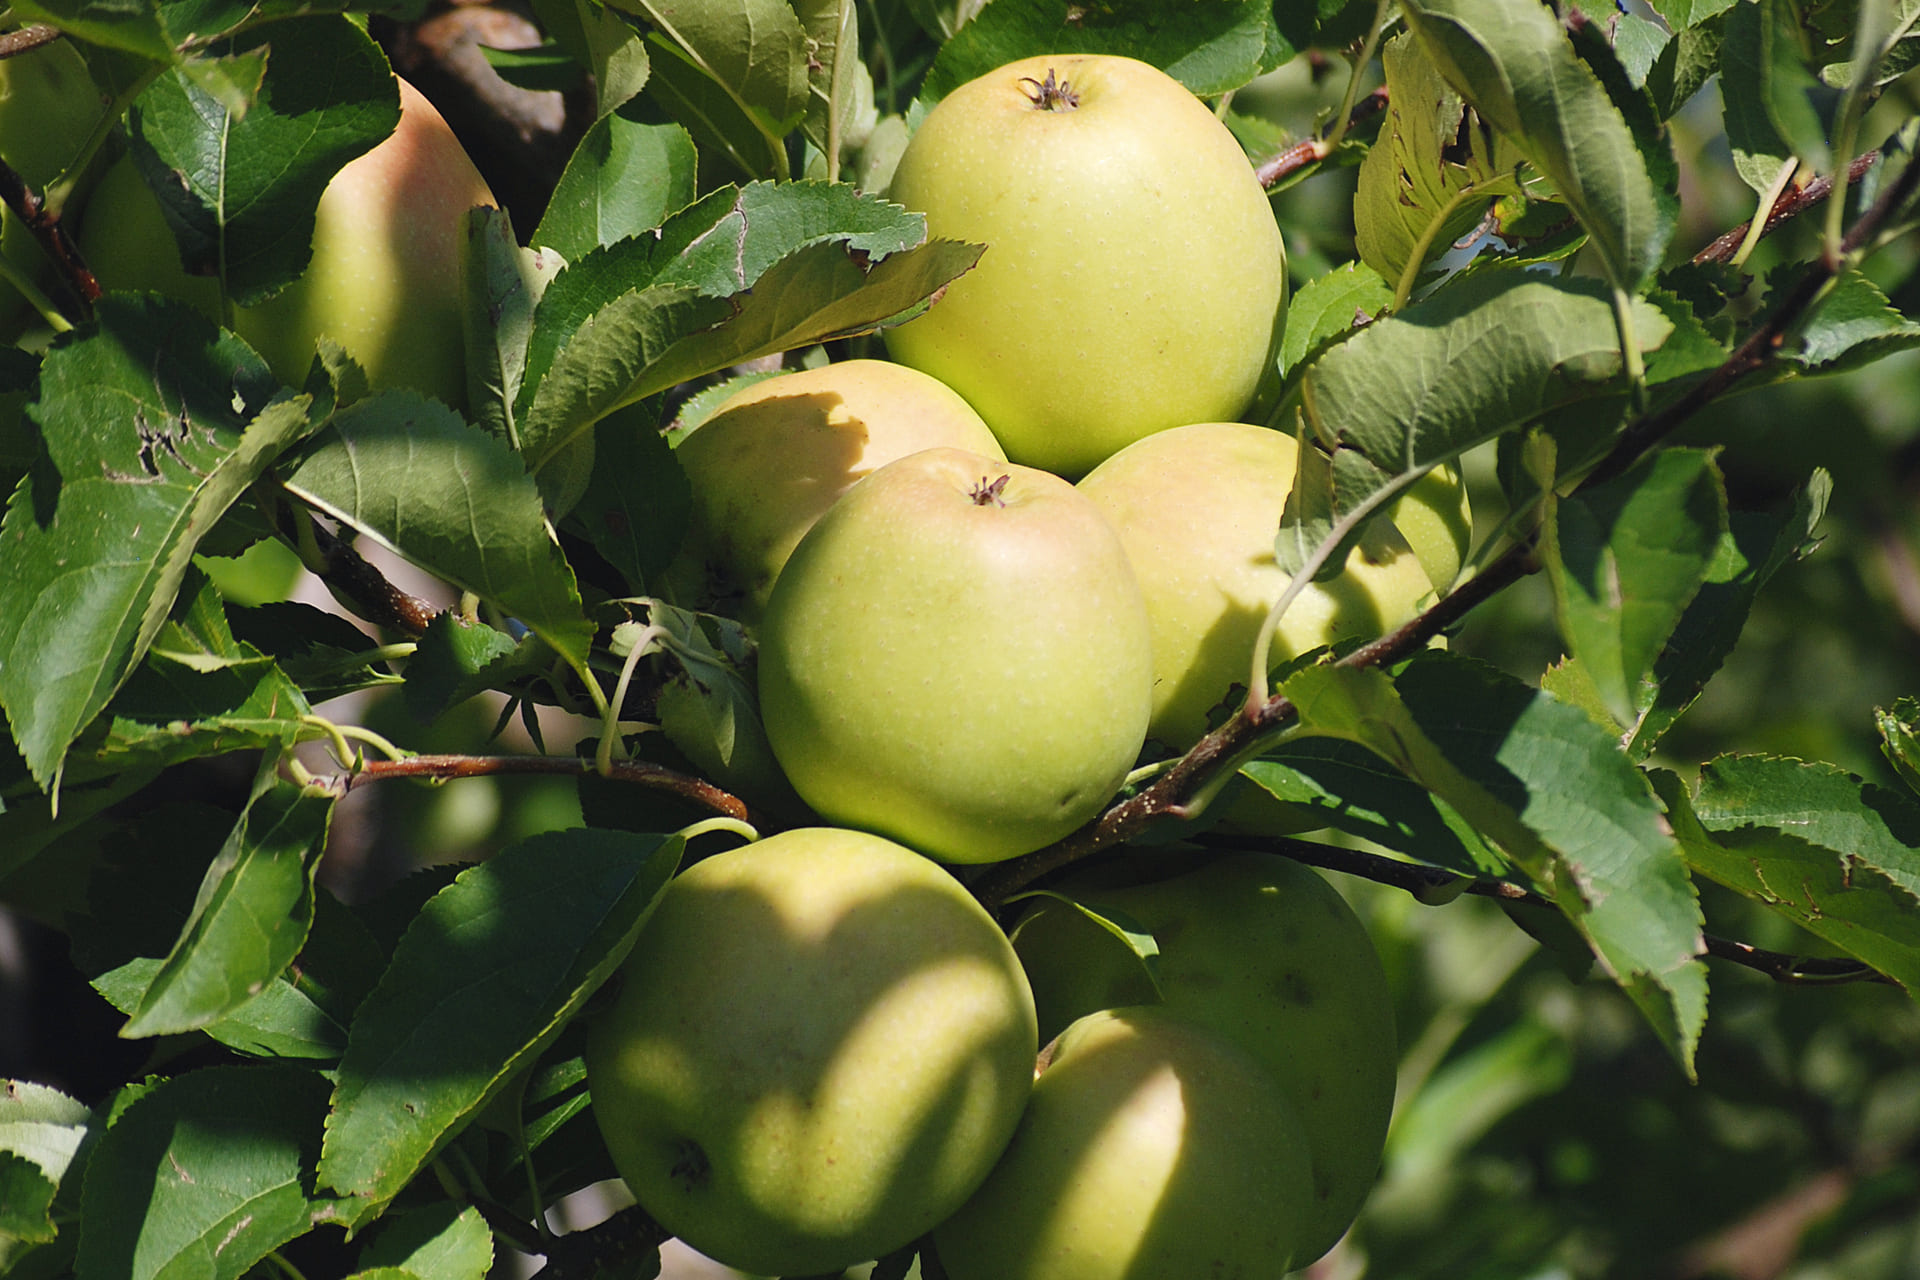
{"x": 981, "y": 577}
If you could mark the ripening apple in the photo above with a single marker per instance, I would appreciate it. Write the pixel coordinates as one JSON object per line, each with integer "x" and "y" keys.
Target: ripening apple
{"x": 957, "y": 656}
{"x": 778, "y": 453}
{"x": 384, "y": 281}
{"x": 1134, "y": 275}
{"x": 1152, "y": 1149}
{"x": 1198, "y": 507}
{"x": 1262, "y": 951}
{"x": 819, "y": 1046}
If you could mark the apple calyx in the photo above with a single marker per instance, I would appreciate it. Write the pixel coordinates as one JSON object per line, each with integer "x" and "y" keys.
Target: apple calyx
{"x": 692, "y": 1170}
{"x": 990, "y": 493}
{"x": 1051, "y": 94}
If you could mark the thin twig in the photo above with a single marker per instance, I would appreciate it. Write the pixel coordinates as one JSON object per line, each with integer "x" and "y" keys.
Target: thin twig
{"x": 1788, "y": 207}
{"x": 27, "y": 39}
{"x": 638, "y": 772}
{"x": 51, "y": 232}
{"x": 1311, "y": 152}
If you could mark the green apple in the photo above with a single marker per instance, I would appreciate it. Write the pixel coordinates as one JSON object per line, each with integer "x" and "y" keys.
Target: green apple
{"x": 819, "y": 1047}
{"x": 777, "y": 454}
{"x": 48, "y": 107}
{"x": 1134, "y": 275}
{"x": 1198, "y": 507}
{"x": 1152, "y": 1149}
{"x": 384, "y": 281}
{"x": 957, "y": 657}
{"x": 1263, "y": 951}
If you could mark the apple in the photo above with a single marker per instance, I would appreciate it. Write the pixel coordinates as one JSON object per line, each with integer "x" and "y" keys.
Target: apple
{"x": 1151, "y": 1149}
{"x": 384, "y": 281}
{"x": 819, "y": 1047}
{"x": 48, "y": 107}
{"x": 956, "y": 656}
{"x": 1198, "y": 507}
{"x": 1264, "y": 952}
{"x": 778, "y": 453}
{"x": 1134, "y": 275}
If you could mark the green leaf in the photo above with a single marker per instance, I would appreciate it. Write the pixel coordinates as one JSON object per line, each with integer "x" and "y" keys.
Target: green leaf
{"x": 1118, "y": 925}
{"x": 1328, "y": 308}
{"x": 1626, "y": 559}
{"x": 26, "y": 1204}
{"x": 440, "y": 1242}
{"x": 1681, "y": 14}
{"x": 1770, "y": 104}
{"x": 1900, "y": 738}
{"x": 638, "y": 503}
{"x": 1852, "y": 325}
{"x": 442, "y": 671}
{"x": 321, "y": 652}
{"x": 1433, "y": 172}
{"x": 239, "y": 182}
{"x": 1211, "y": 47}
{"x": 834, "y": 74}
{"x": 1513, "y": 63}
{"x": 1837, "y": 856}
{"x": 1684, "y": 65}
{"x": 410, "y": 472}
{"x": 1471, "y": 1093}
{"x": 282, "y": 1021}
{"x": 544, "y": 68}
{"x": 624, "y": 178}
{"x": 251, "y": 916}
{"x": 127, "y": 25}
{"x": 486, "y": 976}
{"x": 155, "y": 423}
{"x": 40, "y": 1132}
{"x": 1557, "y": 795}
{"x": 202, "y": 1176}
{"x": 502, "y": 286}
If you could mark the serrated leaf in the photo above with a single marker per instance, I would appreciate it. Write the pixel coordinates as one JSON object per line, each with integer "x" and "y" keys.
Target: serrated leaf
{"x": 638, "y": 503}
{"x": 410, "y": 472}
{"x": 321, "y": 652}
{"x": 239, "y": 183}
{"x": 1900, "y": 738}
{"x": 1512, "y": 61}
{"x": 26, "y": 1204}
{"x": 155, "y": 423}
{"x": 831, "y": 31}
{"x": 487, "y": 974}
{"x": 203, "y": 1175}
{"x": 130, "y": 27}
{"x": 1853, "y": 324}
{"x": 280, "y": 1022}
{"x": 623, "y": 178}
{"x": 250, "y": 918}
{"x": 1836, "y": 855}
{"x": 1211, "y": 48}
{"x": 1327, "y": 308}
{"x": 1770, "y": 111}
{"x": 502, "y": 285}
{"x": 1684, "y": 65}
{"x": 736, "y": 72}
{"x": 1429, "y": 178}
{"x": 440, "y": 1242}
{"x": 450, "y": 655}
{"x": 41, "y": 1126}
{"x": 1625, "y": 559}
{"x": 1556, "y": 794}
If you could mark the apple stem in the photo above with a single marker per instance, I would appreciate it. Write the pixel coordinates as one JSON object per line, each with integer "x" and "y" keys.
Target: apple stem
{"x": 1051, "y": 94}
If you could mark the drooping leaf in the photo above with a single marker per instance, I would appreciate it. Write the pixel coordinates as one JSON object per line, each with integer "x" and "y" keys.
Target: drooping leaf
{"x": 1899, "y": 727}
{"x": 450, "y": 655}
{"x": 834, "y": 75}
{"x": 280, "y": 1022}
{"x": 1838, "y": 856}
{"x": 1211, "y": 48}
{"x": 1626, "y": 559}
{"x": 1771, "y": 112}
{"x": 1512, "y": 61}
{"x": 155, "y": 423}
{"x": 410, "y": 472}
{"x": 1556, "y": 794}
{"x": 321, "y": 652}
{"x": 624, "y": 178}
{"x": 486, "y": 975}
{"x": 202, "y": 1175}
{"x": 239, "y": 184}
{"x": 251, "y": 916}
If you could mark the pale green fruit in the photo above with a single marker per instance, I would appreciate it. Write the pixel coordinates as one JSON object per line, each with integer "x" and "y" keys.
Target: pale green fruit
{"x": 1436, "y": 519}
{"x": 777, "y": 454}
{"x": 1266, "y": 953}
{"x": 1134, "y": 275}
{"x": 1152, "y": 1149}
{"x": 820, "y": 1046}
{"x": 957, "y": 657}
{"x": 384, "y": 281}
{"x": 1198, "y": 507}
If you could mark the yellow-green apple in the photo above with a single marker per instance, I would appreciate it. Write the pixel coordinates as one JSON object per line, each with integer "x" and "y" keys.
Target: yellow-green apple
{"x": 956, "y": 656}
{"x": 1134, "y": 275}
{"x": 384, "y": 281}
{"x": 1198, "y": 507}
{"x": 48, "y": 107}
{"x": 819, "y": 1047}
{"x": 777, "y": 454}
{"x": 1262, "y": 951}
{"x": 1152, "y": 1149}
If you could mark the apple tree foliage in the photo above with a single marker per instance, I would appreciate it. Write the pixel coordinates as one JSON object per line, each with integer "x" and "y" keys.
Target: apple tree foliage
{"x": 1501, "y": 218}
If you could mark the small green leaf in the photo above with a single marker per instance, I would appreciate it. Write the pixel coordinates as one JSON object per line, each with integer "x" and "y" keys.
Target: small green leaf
{"x": 410, "y": 472}
{"x": 1853, "y": 324}
{"x": 1329, "y": 307}
{"x": 624, "y": 178}
{"x": 503, "y": 284}
{"x": 1900, "y": 738}
{"x": 321, "y": 652}
{"x": 43, "y": 1128}
{"x": 202, "y": 1176}
{"x": 155, "y": 422}
{"x": 26, "y": 1204}
{"x": 450, "y": 655}
{"x": 488, "y": 973}
{"x": 1771, "y": 114}
{"x": 1118, "y": 925}
{"x": 440, "y": 1242}
{"x": 280, "y": 1022}
{"x": 638, "y": 503}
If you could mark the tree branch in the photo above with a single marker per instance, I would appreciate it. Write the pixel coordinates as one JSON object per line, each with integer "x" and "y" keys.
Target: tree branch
{"x": 583, "y": 1255}
{"x": 638, "y": 772}
{"x": 27, "y": 39}
{"x": 1302, "y": 155}
{"x": 1788, "y": 207}
{"x": 51, "y": 232}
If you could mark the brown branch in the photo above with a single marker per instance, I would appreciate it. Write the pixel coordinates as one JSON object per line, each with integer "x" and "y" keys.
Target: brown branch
{"x": 580, "y": 1255}
{"x": 1301, "y": 155}
{"x": 1788, "y": 207}
{"x": 1436, "y": 884}
{"x": 374, "y": 598}
{"x": 638, "y": 772}
{"x": 1171, "y": 796}
{"x": 27, "y": 39}
{"x": 47, "y": 228}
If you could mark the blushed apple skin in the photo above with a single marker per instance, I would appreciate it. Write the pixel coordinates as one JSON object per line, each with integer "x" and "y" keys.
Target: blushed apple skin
{"x": 777, "y": 454}
{"x": 1198, "y": 507}
{"x": 820, "y": 1046}
{"x": 1152, "y": 1149}
{"x": 1264, "y": 952}
{"x": 1134, "y": 275}
{"x": 955, "y": 662}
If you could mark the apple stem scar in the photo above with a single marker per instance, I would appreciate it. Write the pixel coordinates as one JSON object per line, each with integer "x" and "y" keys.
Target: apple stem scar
{"x": 1049, "y": 95}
